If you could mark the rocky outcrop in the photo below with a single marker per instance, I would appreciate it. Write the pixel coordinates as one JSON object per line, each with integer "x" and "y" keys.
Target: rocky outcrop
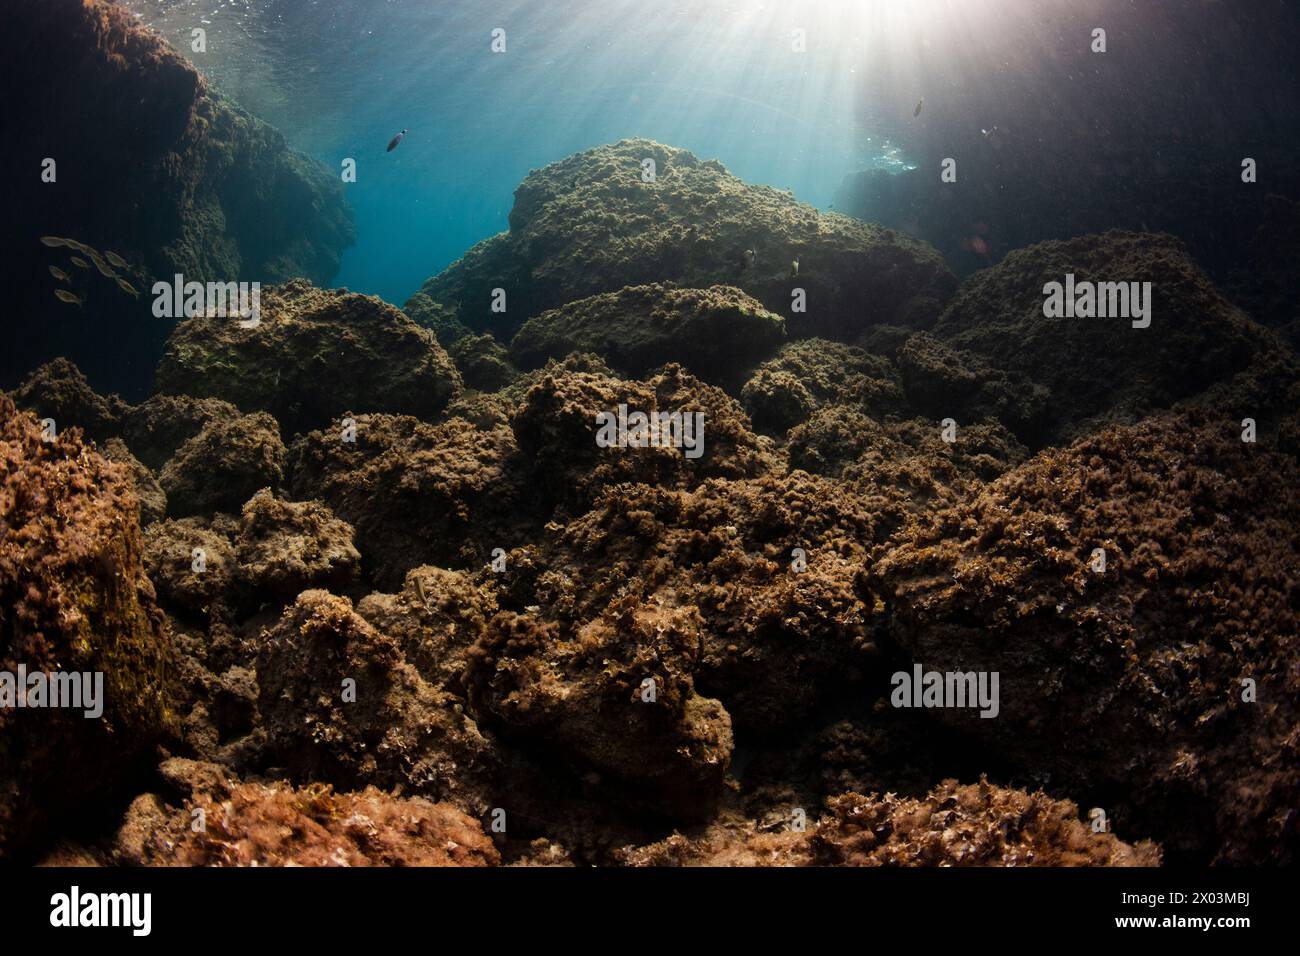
{"x": 557, "y": 429}
{"x": 340, "y": 704}
{"x": 714, "y": 333}
{"x": 74, "y": 599}
{"x": 313, "y": 355}
{"x": 220, "y": 467}
{"x": 1135, "y": 593}
{"x": 417, "y": 493}
{"x": 152, "y": 164}
{"x": 592, "y": 224}
{"x": 814, "y": 373}
{"x": 59, "y": 390}
{"x": 1092, "y": 368}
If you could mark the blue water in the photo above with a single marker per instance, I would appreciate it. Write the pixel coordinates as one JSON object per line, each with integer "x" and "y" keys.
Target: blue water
{"x": 340, "y": 77}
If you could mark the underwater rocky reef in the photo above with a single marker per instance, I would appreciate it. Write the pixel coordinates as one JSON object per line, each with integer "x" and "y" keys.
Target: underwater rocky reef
{"x": 367, "y": 588}
{"x": 151, "y": 162}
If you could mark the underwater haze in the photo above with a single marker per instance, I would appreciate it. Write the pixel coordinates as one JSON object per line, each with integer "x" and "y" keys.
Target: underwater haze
{"x": 339, "y": 79}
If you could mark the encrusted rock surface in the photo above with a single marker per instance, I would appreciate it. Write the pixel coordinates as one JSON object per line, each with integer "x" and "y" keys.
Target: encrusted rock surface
{"x": 590, "y": 224}
{"x": 313, "y": 355}
{"x": 713, "y": 332}
{"x": 73, "y": 598}
{"x": 1171, "y": 670}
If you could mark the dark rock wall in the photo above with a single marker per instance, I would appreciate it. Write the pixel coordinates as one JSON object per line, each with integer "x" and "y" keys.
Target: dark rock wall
{"x": 153, "y": 165}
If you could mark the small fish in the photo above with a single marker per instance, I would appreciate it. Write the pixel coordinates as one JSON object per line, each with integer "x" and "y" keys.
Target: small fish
{"x": 917, "y": 112}
{"x": 116, "y": 260}
{"x": 392, "y": 143}
{"x": 127, "y": 287}
{"x": 794, "y": 269}
{"x": 53, "y": 241}
{"x": 103, "y": 268}
{"x": 59, "y": 274}
{"x": 64, "y": 295}
{"x": 80, "y": 263}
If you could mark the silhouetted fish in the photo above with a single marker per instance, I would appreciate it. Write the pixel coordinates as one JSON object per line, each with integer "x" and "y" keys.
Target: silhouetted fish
{"x": 80, "y": 263}
{"x": 917, "y": 112}
{"x": 59, "y": 274}
{"x": 115, "y": 259}
{"x": 53, "y": 241}
{"x": 127, "y": 287}
{"x": 102, "y": 266}
{"x": 392, "y": 143}
{"x": 65, "y": 296}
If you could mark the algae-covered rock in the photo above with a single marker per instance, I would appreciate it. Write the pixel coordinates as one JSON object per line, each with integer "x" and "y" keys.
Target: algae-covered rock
{"x": 156, "y": 428}
{"x": 1136, "y": 594}
{"x": 812, "y": 373}
{"x": 591, "y": 224}
{"x": 557, "y": 428}
{"x": 289, "y": 546}
{"x": 1097, "y": 368}
{"x": 258, "y": 824}
{"x": 946, "y": 383}
{"x": 153, "y": 501}
{"x": 193, "y": 565}
{"x": 760, "y": 573}
{"x": 340, "y": 705}
{"x": 59, "y": 391}
{"x": 313, "y": 354}
{"x": 223, "y": 465}
{"x": 484, "y": 363}
{"x": 73, "y": 599}
{"x": 953, "y": 825}
{"x": 714, "y": 333}
{"x": 417, "y": 493}
{"x": 618, "y": 699}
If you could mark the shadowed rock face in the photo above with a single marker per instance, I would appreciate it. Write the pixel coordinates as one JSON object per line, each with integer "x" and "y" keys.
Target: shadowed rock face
{"x": 1141, "y": 667}
{"x": 713, "y": 332}
{"x": 151, "y": 164}
{"x": 313, "y": 355}
{"x": 73, "y": 598}
{"x": 589, "y": 224}
{"x": 1090, "y": 367}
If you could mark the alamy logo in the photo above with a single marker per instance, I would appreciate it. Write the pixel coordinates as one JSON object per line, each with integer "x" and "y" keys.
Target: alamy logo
{"x": 56, "y": 689}
{"x": 624, "y": 429}
{"x": 213, "y": 299}
{"x": 923, "y": 688}
{"x": 1100, "y": 300}
{"x": 74, "y": 909}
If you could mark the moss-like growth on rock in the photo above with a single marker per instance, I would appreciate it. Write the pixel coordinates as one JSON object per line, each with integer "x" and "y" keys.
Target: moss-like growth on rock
{"x": 223, "y": 465}
{"x": 1170, "y": 669}
{"x": 589, "y": 224}
{"x": 73, "y": 597}
{"x": 314, "y": 354}
{"x": 715, "y": 333}
{"x": 1097, "y": 368}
